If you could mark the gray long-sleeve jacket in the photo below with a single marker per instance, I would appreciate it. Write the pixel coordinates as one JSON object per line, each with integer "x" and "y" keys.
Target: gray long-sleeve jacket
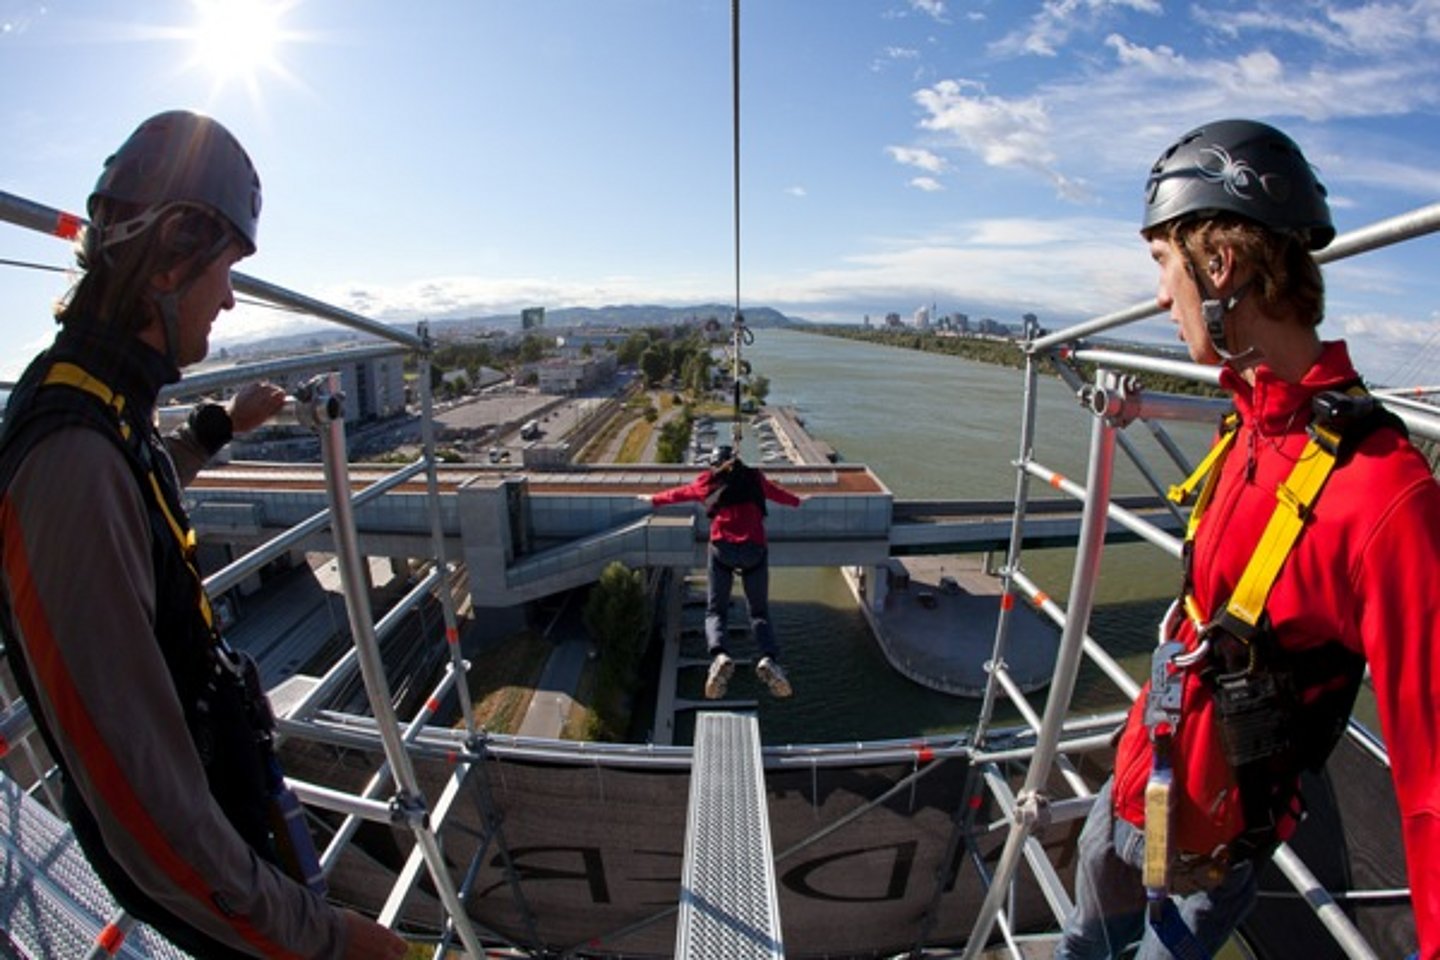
{"x": 75, "y": 546}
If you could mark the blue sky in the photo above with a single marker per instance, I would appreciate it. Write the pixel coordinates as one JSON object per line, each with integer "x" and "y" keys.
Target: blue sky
{"x": 448, "y": 158}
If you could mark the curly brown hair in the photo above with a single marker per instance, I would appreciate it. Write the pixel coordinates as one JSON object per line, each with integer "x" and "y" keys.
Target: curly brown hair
{"x": 114, "y": 289}
{"x": 1287, "y": 277}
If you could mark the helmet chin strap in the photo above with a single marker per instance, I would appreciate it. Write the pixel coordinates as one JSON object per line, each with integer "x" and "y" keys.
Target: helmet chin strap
{"x": 1213, "y": 310}
{"x": 169, "y": 304}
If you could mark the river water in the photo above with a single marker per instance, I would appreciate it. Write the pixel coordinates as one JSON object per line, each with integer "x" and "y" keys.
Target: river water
{"x": 930, "y": 427}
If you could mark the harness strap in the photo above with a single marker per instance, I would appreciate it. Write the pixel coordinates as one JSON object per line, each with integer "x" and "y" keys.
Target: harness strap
{"x": 1206, "y": 475}
{"x": 1294, "y": 499}
{"x": 69, "y": 374}
{"x": 1172, "y": 930}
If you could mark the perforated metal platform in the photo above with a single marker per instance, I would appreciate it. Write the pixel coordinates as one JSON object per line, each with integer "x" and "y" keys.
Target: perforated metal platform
{"x": 51, "y": 903}
{"x": 728, "y": 903}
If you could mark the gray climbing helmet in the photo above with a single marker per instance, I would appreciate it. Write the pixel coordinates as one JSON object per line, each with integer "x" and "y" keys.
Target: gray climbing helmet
{"x": 1242, "y": 167}
{"x": 178, "y": 158}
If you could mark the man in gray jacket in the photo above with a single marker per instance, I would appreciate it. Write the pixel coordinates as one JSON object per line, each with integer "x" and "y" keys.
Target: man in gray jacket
{"x": 164, "y": 746}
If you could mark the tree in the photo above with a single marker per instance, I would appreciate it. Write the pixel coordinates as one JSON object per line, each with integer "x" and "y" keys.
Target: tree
{"x": 630, "y": 351}
{"x": 760, "y": 387}
{"x": 654, "y": 365}
{"x": 532, "y": 349}
{"x": 616, "y": 615}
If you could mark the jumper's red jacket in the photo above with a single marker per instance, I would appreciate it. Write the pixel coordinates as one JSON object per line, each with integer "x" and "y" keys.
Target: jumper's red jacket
{"x": 1362, "y": 572}
{"x": 736, "y": 523}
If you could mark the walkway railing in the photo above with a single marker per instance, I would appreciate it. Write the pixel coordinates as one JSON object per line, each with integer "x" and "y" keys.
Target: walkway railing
{"x": 1115, "y": 400}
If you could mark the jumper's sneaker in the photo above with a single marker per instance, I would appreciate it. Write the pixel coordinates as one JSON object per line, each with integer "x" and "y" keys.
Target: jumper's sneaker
{"x": 719, "y": 677}
{"x": 770, "y": 672}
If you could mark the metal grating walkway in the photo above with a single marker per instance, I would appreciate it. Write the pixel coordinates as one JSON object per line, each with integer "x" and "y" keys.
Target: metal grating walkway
{"x": 728, "y": 904}
{"x": 51, "y": 903}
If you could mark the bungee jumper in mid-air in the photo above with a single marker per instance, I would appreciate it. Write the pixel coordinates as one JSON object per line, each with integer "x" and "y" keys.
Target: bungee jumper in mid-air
{"x": 734, "y": 494}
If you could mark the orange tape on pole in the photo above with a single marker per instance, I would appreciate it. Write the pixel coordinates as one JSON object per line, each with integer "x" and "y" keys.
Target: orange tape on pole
{"x": 110, "y": 938}
{"x": 67, "y": 226}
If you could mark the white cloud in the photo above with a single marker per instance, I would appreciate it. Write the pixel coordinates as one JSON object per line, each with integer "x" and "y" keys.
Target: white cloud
{"x": 1071, "y": 268}
{"x": 918, "y": 157}
{"x": 927, "y": 184}
{"x": 796, "y": 191}
{"x": 1390, "y": 349}
{"x": 933, "y": 8}
{"x": 1058, "y": 20}
{"x": 1367, "y": 29}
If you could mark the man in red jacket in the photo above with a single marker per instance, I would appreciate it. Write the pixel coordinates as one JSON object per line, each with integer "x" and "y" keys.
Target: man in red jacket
{"x": 1257, "y": 683}
{"x": 734, "y": 495}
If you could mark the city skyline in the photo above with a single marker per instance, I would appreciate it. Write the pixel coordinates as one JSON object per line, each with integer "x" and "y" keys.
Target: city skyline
{"x": 449, "y": 159}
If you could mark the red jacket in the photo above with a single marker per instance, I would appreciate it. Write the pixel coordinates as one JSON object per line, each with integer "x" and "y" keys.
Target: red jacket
{"x": 1362, "y": 572}
{"x": 737, "y": 523}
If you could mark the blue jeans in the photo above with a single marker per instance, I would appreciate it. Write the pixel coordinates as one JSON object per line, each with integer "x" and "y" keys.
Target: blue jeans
{"x": 1109, "y": 909}
{"x": 752, "y": 562}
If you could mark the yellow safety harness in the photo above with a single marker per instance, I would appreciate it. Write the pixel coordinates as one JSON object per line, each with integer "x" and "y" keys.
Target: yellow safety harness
{"x": 1252, "y": 679}
{"x": 72, "y": 375}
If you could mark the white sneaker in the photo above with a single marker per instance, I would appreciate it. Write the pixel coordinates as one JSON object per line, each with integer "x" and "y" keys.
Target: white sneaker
{"x": 770, "y": 672}
{"x": 719, "y": 677}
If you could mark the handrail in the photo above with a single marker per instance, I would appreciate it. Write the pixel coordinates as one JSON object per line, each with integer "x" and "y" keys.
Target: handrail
{"x": 59, "y": 223}
{"x": 1383, "y": 233}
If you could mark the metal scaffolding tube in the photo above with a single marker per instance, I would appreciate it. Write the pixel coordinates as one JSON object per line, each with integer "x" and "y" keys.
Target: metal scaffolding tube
{"x": 1384, "y": 233}
{"x": 1326, "y": 909}
{"x": 1072, "y": 379}
{"x": 340, "y": 671}
{"x": 15, "y": 732}
{"x": 237, "y": 570}
{"x": 380, "y": 780}
{"x": 1051, "y": 887}
{"x": 1089, "y": 744}
{"x": 1127, "y": 519}
{"x": 338, "y": 801}
{"x": 38, "y": 217}
{"x": 1146, "y": 363}
{"x": 437, "y": 532}
{"x": 1012, "y": 554}
{"x": 58, "y": 223}
{"x": 1097, "y": 653}
{"x": 212, "y": 381}
{"x": 409, "y": 803}
{"x": 409, "y": 872}
{"x": 1420, "y": 423}
{"x": 1067, "y": 667}
{"x": 1032, "y": 719}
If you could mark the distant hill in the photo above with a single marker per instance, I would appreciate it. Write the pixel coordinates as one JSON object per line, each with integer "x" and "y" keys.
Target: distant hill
{"x": 627, "y": 315}
{"x": 328, "y": 336}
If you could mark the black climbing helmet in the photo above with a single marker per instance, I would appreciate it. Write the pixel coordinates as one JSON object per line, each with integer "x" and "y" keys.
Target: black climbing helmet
{"x": 179, "y": 158}
{"x": 1242, "y": 167}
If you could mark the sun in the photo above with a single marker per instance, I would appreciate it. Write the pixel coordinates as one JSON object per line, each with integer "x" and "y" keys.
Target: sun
{"x": 235, "y": 40}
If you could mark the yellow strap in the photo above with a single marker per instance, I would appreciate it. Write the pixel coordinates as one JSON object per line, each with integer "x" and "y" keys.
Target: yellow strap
{"x": 1293, "y": 500}
{"x": 1207, "y": 472}
{"x": 70, "y": 375}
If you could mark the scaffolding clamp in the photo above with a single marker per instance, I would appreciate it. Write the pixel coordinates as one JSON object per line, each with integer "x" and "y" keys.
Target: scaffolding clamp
{"x": 1116, "y": 398}
{"x": 319, "y": 402}
{"x": 1032, "y": 809}
{"x": 410, "y": 810}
